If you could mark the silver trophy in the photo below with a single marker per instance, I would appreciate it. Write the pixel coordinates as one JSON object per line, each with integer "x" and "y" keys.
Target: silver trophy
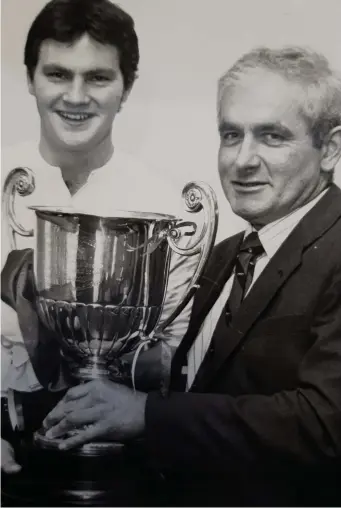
{"x": 101, "y": 280}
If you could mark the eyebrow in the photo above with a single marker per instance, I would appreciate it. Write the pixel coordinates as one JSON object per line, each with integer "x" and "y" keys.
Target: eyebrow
{"x": 274, "y": 127}
{"x": 54, "y": 67}
{"x": 101, "y": 70}
{"x": 228, "y": 126}
{"x": 98, "y": 70}
{"x": 259, "y": 128}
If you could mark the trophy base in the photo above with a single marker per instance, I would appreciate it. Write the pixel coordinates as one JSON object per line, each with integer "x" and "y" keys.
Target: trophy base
{"x": 96, "y": 449}
{"x": 97, "y": 474}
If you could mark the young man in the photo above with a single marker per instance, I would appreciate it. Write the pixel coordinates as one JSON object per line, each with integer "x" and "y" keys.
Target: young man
{"x": 253, "y": 416}
{"x": 82, "y": 58}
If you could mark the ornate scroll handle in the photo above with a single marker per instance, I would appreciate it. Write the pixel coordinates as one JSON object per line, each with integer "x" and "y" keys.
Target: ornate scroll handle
{"x": 19, "y": 180}
{"x": 198, "y": 196}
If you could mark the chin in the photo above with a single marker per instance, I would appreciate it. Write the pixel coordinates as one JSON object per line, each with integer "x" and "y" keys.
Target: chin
{"x": 75, "y": 145}
{"x": 254, "y": 216}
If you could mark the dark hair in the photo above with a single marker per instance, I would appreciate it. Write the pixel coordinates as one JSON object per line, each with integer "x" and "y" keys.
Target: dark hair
{"x": 66, "y": 21}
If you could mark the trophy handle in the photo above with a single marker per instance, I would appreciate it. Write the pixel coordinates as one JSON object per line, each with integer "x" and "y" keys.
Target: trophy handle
{"x": 198, "y": 196}
{"x": 19, "y": 180}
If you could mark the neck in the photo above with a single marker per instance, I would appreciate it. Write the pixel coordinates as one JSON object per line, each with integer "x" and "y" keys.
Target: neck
{"x": 75, "y": 165}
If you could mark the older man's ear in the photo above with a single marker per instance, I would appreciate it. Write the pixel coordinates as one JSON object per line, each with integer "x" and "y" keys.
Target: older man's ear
{"x": 331, "y": 149}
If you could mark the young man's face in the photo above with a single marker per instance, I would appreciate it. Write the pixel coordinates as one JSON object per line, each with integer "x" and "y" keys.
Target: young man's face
{"x": 79, "y": 89}
{"x": 267, "y": 162}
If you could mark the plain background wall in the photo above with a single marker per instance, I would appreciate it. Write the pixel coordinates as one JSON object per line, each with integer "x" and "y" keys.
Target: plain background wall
{"x": 170, "y": 118}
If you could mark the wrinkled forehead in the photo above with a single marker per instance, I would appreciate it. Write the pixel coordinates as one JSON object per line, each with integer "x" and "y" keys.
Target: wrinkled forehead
{"x": 260, "y": 96}
{"x": 81, "y": 55}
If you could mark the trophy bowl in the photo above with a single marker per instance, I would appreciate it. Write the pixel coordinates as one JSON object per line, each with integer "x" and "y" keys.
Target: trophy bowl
{"x": 100, "y": 282}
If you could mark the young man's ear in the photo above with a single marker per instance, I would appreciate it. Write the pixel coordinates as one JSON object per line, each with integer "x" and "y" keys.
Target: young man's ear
{"x": 331, "y": 149}
{"x": 30, "y": 85}
{"x": 125, "y": 96}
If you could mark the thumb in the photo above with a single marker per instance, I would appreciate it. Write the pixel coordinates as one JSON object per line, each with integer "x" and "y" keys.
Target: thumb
{"x": 8, "y": 463}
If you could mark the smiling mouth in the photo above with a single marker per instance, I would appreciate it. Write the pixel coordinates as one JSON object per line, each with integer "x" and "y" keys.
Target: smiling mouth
{"x": 75, "y": 117}
{"x": 249, "y": 186}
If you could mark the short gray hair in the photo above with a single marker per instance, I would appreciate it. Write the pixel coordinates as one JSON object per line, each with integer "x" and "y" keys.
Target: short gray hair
{"x": 311, "y": 70}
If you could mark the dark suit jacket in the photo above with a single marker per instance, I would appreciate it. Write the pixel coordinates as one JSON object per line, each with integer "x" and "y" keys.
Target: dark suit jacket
{"x": 262, "y": 422}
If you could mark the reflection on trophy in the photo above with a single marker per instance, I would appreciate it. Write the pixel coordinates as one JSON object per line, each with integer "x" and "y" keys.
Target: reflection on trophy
{"x": 101, "y": 282}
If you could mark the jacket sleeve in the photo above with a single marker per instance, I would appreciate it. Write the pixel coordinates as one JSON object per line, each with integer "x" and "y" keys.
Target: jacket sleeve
{"x": 303, "y": 426}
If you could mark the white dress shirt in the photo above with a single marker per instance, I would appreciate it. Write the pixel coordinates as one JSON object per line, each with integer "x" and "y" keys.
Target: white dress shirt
{"x": 272, "y": 237}
{"x": 123, "y": 183}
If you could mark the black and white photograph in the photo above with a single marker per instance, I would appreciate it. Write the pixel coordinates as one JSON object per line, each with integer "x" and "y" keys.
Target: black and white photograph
{"x": 170, "y": 253}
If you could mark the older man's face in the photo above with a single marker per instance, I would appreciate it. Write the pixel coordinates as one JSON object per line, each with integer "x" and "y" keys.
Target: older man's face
{"x": 268, "y": 165}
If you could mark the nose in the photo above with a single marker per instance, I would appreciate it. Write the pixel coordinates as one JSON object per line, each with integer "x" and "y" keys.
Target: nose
{"x": 76, "y": 93}
{"x": 247, "y": 157}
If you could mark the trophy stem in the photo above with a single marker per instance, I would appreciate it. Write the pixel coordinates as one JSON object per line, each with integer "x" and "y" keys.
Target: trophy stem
{"x": 98, "y": 368}
{"x": 92, "y": 368}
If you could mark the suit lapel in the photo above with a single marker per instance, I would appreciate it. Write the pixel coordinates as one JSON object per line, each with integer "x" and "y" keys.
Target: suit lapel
{"x": 212, "y": 282}
{"x": 216, "y": 277}
{"x": 286, "y": 260}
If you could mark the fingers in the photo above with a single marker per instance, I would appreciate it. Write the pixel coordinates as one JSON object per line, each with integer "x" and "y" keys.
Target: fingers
{"x": 56, "y": 415}
{"x": 59, "y": 429}
{"x": 8, "y": 463}
{"x": 82, "y": 437}
{"x": 65, "y": 411}
{"x": 72, "y": 421}
{"x": 67, "y": 404}
{"x": 10, "y": 466}
{"x": 79, "y": 391}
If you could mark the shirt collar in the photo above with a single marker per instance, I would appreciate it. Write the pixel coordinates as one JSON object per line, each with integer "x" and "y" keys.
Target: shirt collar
{"x": 275, "y": 233}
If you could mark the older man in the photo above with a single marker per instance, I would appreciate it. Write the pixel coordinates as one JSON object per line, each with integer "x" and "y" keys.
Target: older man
{"x": 82, "y": 58}
{"x": 254, "y": 412}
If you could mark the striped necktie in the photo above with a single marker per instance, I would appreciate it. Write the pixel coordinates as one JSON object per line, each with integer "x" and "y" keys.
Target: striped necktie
{"x": 249, "y": 251}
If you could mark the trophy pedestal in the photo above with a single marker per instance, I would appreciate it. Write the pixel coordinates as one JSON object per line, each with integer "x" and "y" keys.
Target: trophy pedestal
{"x": 119, "y": 477}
